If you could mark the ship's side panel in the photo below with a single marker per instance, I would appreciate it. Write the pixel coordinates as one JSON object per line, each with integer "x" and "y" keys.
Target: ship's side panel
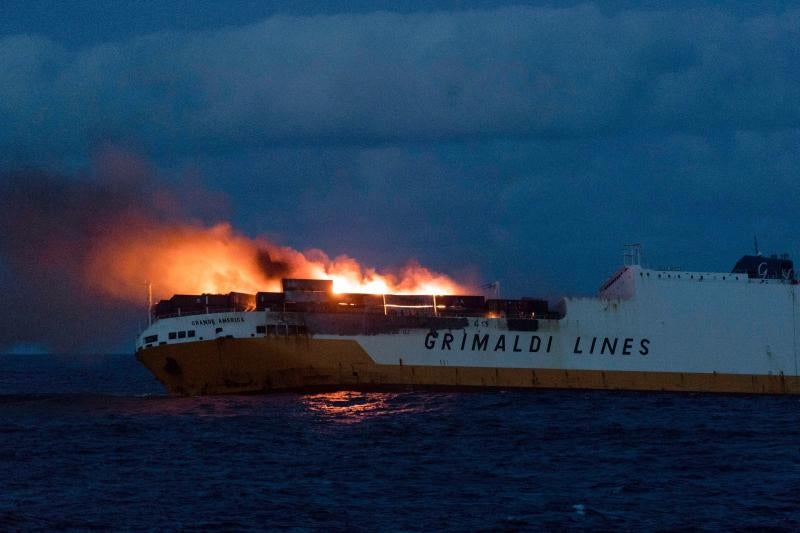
{"x": 710, "y": 324}
{"x": 685, "y": 326}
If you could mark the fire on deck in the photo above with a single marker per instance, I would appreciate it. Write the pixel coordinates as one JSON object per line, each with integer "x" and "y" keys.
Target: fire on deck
{"x": 317, "y": 296}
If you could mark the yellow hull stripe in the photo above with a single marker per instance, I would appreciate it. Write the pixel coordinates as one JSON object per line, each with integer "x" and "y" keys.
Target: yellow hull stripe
{"x": 238, "y": 366}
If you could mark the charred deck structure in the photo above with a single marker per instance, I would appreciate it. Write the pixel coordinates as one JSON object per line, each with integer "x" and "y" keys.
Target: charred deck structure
{"x": 648, "y": 329}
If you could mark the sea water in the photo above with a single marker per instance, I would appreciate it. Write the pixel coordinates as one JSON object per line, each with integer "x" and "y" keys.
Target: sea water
{"x": 93, "y": 443}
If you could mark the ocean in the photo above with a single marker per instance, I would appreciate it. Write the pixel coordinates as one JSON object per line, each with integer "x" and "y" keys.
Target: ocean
{"x": 93, "y": 443}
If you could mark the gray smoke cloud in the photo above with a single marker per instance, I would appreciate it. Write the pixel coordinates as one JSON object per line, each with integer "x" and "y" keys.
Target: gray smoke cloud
{"x": 388, "y": 77}
{"x": 51, "y": 221}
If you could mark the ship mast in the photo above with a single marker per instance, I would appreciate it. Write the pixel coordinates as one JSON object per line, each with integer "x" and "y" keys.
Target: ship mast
{"x": 149, "y": 303}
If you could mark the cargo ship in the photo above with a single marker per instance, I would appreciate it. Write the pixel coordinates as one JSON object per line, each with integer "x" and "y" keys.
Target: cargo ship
{"x": 646, "y": 330}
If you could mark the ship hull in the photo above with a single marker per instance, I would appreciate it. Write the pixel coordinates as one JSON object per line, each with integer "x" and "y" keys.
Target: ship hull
{"x": 260, "y": 365}
{"x": 648, "y": 330}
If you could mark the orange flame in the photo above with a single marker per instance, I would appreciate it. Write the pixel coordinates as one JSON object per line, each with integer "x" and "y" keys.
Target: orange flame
{"x": 191, "y": 258}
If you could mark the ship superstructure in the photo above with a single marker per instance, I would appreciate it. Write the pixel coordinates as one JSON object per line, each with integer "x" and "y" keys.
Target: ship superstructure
{"x": 647, "y": 329}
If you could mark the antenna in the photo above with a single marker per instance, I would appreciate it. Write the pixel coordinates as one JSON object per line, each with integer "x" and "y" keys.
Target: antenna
{"x": 632, "y": 254}
{"x": 495, "y": 286}
{"x": 755, "y": 243}
{"x": 149, "y": 303}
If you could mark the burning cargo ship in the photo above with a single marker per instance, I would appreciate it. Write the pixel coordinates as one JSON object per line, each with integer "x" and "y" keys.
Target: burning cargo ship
{"x": 647, "y": 329}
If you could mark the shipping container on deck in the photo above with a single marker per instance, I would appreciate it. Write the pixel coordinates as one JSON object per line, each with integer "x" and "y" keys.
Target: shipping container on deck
{"x": 195, "y": 304}
{"x": 216, "y": 300}
{"x": 186, "y": 300}
{"x": 180, "y": 304}
{"x": 162, "y": 308}
{"x": 525, "y": 308}
{"x": 537, "y": 305}
{"x": 307, "y": 296}
{"x": 409, "y": 304}
{"x": 410, "y": 300}
{"x": 240, "y": 301}
{"x": 269, "y": 300}
{"x": 461, "y": 302}
{"x": 311, "y": 285}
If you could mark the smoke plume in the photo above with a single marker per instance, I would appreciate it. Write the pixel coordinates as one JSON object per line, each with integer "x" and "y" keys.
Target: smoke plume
{"x": 79, "y": 251}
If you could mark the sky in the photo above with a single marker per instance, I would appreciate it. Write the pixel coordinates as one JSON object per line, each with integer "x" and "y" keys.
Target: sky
{"x": 524, "y": 142}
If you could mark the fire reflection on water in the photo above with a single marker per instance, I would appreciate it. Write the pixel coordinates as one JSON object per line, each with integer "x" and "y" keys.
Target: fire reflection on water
{"x": 349, "y": 407}
{"x": 342, "y": 407}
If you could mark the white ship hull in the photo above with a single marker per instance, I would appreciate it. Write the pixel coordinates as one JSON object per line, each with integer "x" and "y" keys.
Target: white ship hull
{"x": 647, "y": 329}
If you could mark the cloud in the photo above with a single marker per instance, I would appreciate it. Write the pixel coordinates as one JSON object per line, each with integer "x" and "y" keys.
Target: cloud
{"x": 538, "y": 215}
{"x": 375, "y": 78}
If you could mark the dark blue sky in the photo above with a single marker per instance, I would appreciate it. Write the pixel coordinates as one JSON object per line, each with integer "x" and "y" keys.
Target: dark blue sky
{"x": 527, "y": 141}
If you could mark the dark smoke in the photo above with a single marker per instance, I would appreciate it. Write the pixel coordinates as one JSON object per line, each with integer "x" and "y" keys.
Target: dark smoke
{"x": 272, "y": 269}
{"x": 50, "y": 222}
